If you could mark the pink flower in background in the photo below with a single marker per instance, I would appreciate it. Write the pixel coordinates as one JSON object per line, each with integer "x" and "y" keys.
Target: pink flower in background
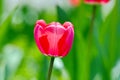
{"x": 54, "y": 39}
{"x": 75, "y": 2}
{"x": 96, "y": 1}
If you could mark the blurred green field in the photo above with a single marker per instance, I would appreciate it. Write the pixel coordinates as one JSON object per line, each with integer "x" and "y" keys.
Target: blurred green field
{"x": 95, "y": 58}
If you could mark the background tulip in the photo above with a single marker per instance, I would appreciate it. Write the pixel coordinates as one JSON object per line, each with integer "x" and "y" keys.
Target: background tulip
{"x": 97, "y": 1}
{"x": 54, "y": 39}
{"x": 75, "y": 2}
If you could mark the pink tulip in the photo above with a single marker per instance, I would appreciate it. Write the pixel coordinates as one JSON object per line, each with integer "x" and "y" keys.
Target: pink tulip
{"x": 96, "y": 1}
{"x": 54, "y": 39}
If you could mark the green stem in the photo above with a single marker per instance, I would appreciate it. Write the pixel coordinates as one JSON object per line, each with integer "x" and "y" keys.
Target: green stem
{"x": 91, "y": 27}
{"x": 90, "y": 35}
{"x": 50, "y": 68}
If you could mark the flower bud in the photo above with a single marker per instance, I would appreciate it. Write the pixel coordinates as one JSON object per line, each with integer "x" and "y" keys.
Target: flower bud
{"x": 54, "y": 39}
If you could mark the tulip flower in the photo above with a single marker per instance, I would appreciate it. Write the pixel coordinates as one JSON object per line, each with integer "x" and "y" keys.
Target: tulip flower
{"x": 96, "y": 1}
{"x": 75, "y": 2}
{"x": 54, "y": 39}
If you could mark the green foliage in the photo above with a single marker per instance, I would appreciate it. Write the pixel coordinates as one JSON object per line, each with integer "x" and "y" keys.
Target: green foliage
{"x": 20, "y": 58}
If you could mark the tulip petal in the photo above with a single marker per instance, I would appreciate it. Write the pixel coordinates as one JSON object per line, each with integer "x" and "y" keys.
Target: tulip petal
{"x": 43, "y": 41}
{"x": 42, "y": 23}
{"x": 65, "y": 43}
{"x": 67, "y": 24}
{"x": 54, "y": 33}
{"x": 41, "y": 38}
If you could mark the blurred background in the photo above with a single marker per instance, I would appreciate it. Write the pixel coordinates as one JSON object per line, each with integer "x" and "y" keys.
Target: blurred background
{"x": 95, "y": 58}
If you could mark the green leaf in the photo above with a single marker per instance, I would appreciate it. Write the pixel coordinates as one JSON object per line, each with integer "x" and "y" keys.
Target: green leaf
{"x": 62, "y": 16}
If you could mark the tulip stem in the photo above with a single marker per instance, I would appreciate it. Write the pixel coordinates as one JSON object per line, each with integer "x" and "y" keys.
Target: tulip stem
{"x": 90, "y": 34}
{"x": 91, "y": 27}
{"x": 50, "y": 68}
{"x": 93, "y": 19}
